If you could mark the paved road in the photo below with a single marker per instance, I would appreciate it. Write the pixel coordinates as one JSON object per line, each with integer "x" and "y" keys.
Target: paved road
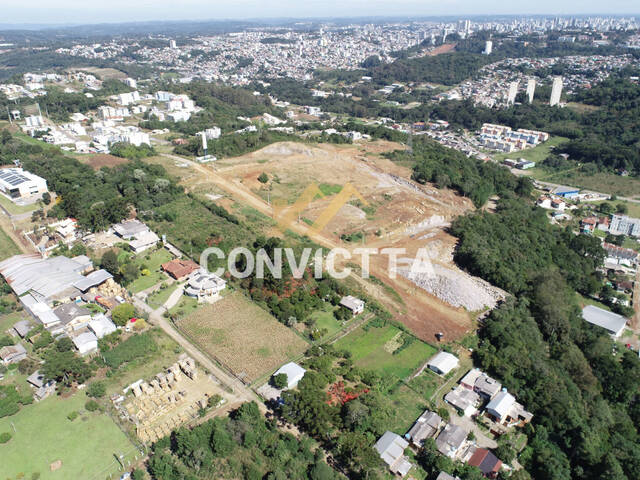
{"x": 240, "y": 391}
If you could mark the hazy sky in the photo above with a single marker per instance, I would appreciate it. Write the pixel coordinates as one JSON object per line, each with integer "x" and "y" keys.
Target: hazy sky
{"x": 97, "y": 11}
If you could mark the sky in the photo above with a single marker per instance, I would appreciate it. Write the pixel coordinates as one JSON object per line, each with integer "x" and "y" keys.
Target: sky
{"x": 96, "y": 11}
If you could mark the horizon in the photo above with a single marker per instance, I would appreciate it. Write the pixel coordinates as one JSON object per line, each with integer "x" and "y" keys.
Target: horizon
{"x": 73, "y": 13}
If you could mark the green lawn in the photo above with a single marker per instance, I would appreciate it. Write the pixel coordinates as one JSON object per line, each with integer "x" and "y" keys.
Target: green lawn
{"x": 324, "y": 319}
{"x": 8, "y": 320}
{"x": 367, "y": 347}
{"x": 157, "y": 299}
{"x": 8, "y": 247}
{"x": 14, "y": 209}
{"x": 536, "y": 154}
{"x": 407, "y": 407}
{"x": 43, "y": 435}
{"x": 152, "y": 262}
{"x": 185, "y": 306}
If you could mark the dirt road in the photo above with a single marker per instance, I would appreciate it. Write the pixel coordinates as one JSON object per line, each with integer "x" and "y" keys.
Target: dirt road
{"x": 423, "y": 313}
{"x": 240, "y": 392}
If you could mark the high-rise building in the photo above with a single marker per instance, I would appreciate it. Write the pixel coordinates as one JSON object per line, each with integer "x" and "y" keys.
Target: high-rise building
{"x": 513, "y": 91}
{"x": 531, "y": 89}
{"x": 172, "y": 43}
{"x": 556, "y": 91}
{"x": 488, "y": 47}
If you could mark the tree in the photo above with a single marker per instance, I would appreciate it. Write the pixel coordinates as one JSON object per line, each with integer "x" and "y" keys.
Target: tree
{"x": 65, "y": 367}
{"x": 109, "y": 262}
{"x": 46, "y": 198}
{"x": 122, "y": 313}
{"x": 263, "y": 178}
{"x": 91, "y": 405}
{"x": 622, "y": 208}
{"x": 65, "y": 344}
{"x": 280, "y": 381}
{"x": 97, "y": 389}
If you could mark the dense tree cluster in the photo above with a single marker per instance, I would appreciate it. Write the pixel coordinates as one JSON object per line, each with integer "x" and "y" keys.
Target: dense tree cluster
{"x": 244, "y": 445}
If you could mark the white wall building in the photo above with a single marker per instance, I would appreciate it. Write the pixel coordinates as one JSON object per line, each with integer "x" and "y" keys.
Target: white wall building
{"x": 18, "y": 183}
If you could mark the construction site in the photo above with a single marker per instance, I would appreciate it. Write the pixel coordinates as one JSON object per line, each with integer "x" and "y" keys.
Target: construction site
{"x": 170, "y": 399}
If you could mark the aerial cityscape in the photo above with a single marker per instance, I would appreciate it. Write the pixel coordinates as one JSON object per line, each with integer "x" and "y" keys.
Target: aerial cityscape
{"x": 334, "y": 244}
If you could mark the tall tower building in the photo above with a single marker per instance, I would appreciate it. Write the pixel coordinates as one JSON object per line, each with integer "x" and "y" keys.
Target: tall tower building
{"x": 488, "y": 47}
{"x": 556, "y": 91}
{"x": 531, "y": 89}
{"x": 513, "y": 91}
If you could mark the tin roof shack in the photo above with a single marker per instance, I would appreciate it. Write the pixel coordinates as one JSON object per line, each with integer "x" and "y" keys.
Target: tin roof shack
{"x": 12, "y": 354}
{"x": 613, "y": 323}
{"x": 391, "y": 448}
{"x": 443, "y": 362}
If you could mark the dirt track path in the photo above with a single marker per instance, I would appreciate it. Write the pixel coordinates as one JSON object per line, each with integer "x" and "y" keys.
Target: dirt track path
{"x": 424, "y": 314}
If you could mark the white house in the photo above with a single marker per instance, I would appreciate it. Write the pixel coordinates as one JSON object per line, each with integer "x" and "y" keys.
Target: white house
{"x": 352, "y": 303}
{"x": 391, "y": 448}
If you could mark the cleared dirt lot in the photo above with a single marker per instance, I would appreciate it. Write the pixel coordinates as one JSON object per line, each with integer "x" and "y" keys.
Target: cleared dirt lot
{"x": 99, "y": 160}
{"x": 242, "y": 336}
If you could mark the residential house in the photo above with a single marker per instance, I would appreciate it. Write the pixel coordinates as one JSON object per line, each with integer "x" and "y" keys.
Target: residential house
{"x": 426, "y": 426}
{"x": 486, "y": 461}
{"x": 481, "y": 383}
{"x": 391, "y": 448}
{"x": 72, "y": 316}
{"x": 85, "y": 342}
{"x": 463, "y": 400}
{"x": 43, "y": 388}
{"x": 179, "y": 268}
{"x": 504, "y": 409}
{"x": 12, "y": 354}
{"x": 352, "y": 303}
{"x": 101, "y": 325}
{"x": 446, "y": 476}
{"x": 451, "y": 440}
{"x": 443, "y": 362}
{"x": 204, "y": 285}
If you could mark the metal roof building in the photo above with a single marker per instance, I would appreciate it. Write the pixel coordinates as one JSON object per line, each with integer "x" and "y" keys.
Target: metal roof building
{"x": 443, "y": 363}
{"x": 17, "y": 183}
{"x": 611, "y": 322}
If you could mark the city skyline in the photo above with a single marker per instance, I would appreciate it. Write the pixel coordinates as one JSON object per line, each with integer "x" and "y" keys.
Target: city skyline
{"x": 119, "y": 11}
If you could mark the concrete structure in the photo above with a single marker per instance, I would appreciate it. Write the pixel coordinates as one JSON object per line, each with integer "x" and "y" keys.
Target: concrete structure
{"x": 352, "y": 303}
{"x": 624, "y": 225}
{"x": 391, "y": 448}
{"x": 294, "y": 373}
{"x": 513, "y": 91}
{"x": 556, "y": 91}
{"x": 531, "y": 89}
{"x": 443, "y": 362}
{"x": 18, "y": 183}
{"x": 613, "y": 323}
{"x": 488, "y": 47}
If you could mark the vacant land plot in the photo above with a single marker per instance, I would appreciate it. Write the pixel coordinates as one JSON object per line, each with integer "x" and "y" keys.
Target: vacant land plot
{"x": 600, "y": 182}
{"x": 43, "y": 434}
{"x": 242, "y": 336}
{"x": 392, "y": 353}
{"x": 536, "y": 154}
{"x": 99, "y": 160}
{"x": 150, "y": 261}
{"x": 7, "y": 246}
{"x": 15, "y": 209}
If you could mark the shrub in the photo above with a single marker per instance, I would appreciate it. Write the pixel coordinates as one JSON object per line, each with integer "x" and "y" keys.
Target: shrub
{"x": 96, "y": 390}
{"x": 5, "y": 437}
{"x": 73, "y": 415}
{"x": 91, "y": 406}
{"x": 263, "y": 178}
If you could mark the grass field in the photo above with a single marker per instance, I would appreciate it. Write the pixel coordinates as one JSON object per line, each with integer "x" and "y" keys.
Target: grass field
{"x": 43, "y": 434}
{"x": 536, "y": 154}
{"x": 370, "y": 348}
{"x": 184, "y": 307}
{"x": 600, "y": 182}
{"x": 325, "y": 319}
{"x": 157, "y": 299}
{"x": 242, "y": 336}
{"x": 151, "y": 261}
{"x": 14, "y": 209}
{"x": 7, "y": 246}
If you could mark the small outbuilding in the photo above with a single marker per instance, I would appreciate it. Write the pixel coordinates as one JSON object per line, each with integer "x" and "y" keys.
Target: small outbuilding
{"x": 443, "y": 362}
